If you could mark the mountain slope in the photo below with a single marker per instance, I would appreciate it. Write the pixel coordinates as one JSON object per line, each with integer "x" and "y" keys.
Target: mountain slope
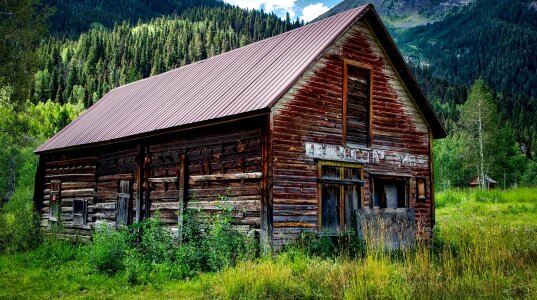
{"x": 83, "y": 70}
{"x": 403, "y": 13}
{"x": 73, "y": 17}
{"x": 496, "y": 41}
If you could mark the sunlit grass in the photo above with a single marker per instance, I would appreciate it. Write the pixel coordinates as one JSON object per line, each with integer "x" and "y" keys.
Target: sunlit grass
{"x": 485, "y": 247}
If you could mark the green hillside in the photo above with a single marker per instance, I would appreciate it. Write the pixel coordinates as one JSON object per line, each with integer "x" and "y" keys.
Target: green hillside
{"x": 73, "y": 17}
{"x": 495, "y": 41}
{"x": 86, "y": 68}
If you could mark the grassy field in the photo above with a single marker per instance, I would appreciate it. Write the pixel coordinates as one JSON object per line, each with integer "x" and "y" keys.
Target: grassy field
{"x": 485, "y": 247}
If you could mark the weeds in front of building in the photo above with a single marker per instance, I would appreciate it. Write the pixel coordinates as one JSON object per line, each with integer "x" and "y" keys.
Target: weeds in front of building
{"x": 485, "y": 245}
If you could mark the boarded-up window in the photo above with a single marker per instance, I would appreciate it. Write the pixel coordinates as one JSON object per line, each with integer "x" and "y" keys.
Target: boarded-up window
{"x": 340, "y": 196}
{"x": 80, "y": 211}
{"x": 124, "y": 202}
{"x": 55, "y": 202}
{"x": 357, "y": 106}
{"x": 421, "y": 189}
{"x": 390, "y": 192}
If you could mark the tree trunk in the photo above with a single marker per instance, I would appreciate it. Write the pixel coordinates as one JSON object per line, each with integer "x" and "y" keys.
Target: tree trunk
{"x": 481, "y": 156}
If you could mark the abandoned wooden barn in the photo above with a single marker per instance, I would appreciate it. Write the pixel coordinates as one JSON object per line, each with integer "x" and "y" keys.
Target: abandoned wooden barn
{"x": 300, "y": 131}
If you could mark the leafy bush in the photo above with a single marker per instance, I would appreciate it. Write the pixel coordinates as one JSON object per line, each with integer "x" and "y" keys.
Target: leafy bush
{"x": 485, "y": 196}
{"x": 156, "y": 242}
{"x": 108, "y": 249}
{"x": 448, "y": 197}
{"x": 529, "y": 178}
{"x": 224, "y": 246}
{"x": 19, "y": 223}
{"x": 148, "y": 252}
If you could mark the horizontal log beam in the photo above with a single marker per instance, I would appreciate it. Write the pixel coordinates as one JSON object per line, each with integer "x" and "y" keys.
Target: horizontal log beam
{"x": 78, "y": 193}
{"x": 77, "y": 185}
{"x": 116, "y": 177}
{"x": 216, "y": 177}
{"x": 162, "y": 179}
{"x": 67, "y": 162}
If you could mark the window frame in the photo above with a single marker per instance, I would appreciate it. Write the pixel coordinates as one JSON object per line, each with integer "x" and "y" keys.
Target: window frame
{"x": 389, "y": 178}
{"x": 425, "y": 193}
{"x": 369, "y": 68}
{"x": 342, "y": 183}
{"x": 83, "y": 215}
{"x": 55, "y": 202}
{"x": 128, "y": 196}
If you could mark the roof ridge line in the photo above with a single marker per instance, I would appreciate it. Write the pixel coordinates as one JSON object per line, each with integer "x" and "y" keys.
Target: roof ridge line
{"x": 248, "y": 45}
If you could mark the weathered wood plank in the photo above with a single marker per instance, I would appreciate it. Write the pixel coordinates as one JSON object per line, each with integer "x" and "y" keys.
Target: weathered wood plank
{"x": 74, "y": 169}
{"x": 78, "y": 185}
{"x": 216, "y": 177}
{"x": 163, "y": 179}
{"x": 72, "y": 177}
{"x": 74, "y": 161}
{"x": 116, "y": 177}
{"x": 246, "y": 205}
{"x": 78, "y": 193}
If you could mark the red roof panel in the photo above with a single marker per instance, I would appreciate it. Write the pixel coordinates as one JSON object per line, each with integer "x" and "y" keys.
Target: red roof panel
{"x": 247, "y": 79}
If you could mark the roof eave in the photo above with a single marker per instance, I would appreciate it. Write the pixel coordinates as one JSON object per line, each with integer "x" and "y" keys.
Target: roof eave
{"x": 152, "y": 134}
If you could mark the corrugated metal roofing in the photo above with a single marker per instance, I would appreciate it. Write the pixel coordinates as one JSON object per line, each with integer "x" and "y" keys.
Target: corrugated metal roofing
{"x": 247, "y": 79}
{"x": 243, "y": 80}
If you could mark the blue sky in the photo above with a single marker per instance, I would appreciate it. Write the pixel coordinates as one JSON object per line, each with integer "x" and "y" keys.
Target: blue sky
{"x": 306, "y": 10}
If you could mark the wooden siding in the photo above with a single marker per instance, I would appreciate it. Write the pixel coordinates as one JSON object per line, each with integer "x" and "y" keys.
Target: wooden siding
{"x": 312, "y": 112}
{"x": 223, "y": 166}
{"x": 75, "y": 175}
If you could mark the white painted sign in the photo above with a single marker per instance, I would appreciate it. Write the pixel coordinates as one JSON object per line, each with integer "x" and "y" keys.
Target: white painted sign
{"x": 365, "y": 156}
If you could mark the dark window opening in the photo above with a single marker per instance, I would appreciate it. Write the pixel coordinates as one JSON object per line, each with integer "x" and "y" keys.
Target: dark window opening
{"x": 55, "y": 202}
{"x": 80, "y": 212}
{"x": 390, "y": 193}
{"x": 357, "y": 121}
{"x": 340, "y": 191}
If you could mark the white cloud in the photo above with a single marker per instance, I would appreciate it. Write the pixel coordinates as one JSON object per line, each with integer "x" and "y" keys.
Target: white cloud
{"x": 312, "y": 11}
{"x": 276, "y": 6}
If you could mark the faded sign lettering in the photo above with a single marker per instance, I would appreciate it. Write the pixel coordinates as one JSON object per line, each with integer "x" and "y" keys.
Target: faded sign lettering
{"x": 372, "y": 156}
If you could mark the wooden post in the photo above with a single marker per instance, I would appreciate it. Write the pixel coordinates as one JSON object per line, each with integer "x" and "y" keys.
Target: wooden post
{"x": 147, "y": 201}
{"x": 266, "y": 207}
{"x": 431, "y": 173}
{"x": 181, "y": 185}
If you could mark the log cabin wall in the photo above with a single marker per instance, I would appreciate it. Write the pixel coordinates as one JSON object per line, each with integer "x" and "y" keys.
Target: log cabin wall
{"x": 68, "y": 177}
{"x": 222, "y": 166}
{"x": 115, "y": 164}
{"x": 311, "y": 114}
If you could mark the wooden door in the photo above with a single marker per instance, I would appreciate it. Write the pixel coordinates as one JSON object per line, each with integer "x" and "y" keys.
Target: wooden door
{"x": 124, "y": 203}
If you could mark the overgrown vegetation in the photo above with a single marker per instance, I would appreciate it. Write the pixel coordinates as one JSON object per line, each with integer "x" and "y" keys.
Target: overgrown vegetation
{"x": 491, "y": 40}
{"x": 22, "y": 130}
{"x": 485, "y": 243}
{"x": 145, "y": 253}
{"x": 481, "y": 144}
{"x": 485, "y": 246}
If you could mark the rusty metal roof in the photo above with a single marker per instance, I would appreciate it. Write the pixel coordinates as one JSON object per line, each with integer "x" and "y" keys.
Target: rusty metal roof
{"x": 248, "y": 79}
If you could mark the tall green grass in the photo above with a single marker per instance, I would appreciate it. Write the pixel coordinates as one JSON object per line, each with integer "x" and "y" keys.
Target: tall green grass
{"x": 485, "y": 246}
